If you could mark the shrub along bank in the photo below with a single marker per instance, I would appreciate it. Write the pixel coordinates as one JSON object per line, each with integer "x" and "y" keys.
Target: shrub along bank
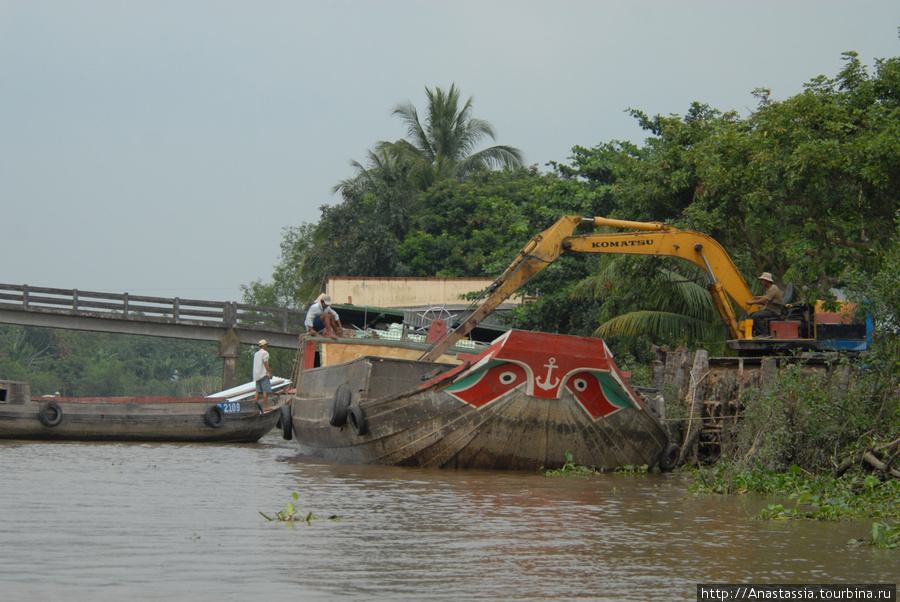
{"x": 829, "y": 446}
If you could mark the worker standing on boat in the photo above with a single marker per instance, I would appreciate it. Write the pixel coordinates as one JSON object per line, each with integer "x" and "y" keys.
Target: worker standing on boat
{"x": 321, "y": 319}
{"x": 262, "y": 374}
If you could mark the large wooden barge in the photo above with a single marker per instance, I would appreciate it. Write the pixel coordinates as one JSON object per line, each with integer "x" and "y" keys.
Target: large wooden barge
{"x": 523, "y": 403}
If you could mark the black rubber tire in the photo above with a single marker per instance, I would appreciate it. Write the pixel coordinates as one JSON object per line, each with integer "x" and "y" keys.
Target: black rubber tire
{"x": 287, "y": 428}
{"x": 668, "y": 458}
{"x": 51, "y": 414}
{"x": 215, "y": 416}
{"x": 357, "y": 420}
{"x": 339, "y": 404}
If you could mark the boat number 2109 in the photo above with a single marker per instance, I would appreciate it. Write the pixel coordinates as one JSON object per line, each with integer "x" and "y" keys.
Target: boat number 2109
{"x": 231, "y": 407}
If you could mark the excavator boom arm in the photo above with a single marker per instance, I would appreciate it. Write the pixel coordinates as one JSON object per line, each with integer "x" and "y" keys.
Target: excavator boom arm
{"x": 651, "y": 238}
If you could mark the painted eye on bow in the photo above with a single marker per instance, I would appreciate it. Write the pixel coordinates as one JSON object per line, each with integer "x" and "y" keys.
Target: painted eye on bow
{"x": 587, "y": 388}
{"x": 507, "y": 378}
{"x": 489, "y": 384}
{"x": 580, "y": 385}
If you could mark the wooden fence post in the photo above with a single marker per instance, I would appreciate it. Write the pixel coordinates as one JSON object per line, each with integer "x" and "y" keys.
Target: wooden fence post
{"x": 229, "y": 314}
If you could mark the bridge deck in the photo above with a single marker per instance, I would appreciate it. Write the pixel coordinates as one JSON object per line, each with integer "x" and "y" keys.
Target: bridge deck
{"x": 151, "y": 316}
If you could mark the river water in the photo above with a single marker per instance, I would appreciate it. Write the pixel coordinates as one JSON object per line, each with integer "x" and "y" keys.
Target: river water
{"x": 115, "y": 521}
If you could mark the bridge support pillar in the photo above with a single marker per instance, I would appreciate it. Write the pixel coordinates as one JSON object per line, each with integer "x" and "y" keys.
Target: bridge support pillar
{"x": 229, "y": 350}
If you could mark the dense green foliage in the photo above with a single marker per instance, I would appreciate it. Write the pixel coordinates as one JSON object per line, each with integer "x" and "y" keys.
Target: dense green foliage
{"x": 812, "y": 420}
{"x": 806, "y": 188}
{"x": 85, "y": 364}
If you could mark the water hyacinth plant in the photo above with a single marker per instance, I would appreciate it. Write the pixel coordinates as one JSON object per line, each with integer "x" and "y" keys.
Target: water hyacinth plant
{"x": 852, "y": 496}
{"x": 570, "y": 469}
{"x": 291, "y": 515}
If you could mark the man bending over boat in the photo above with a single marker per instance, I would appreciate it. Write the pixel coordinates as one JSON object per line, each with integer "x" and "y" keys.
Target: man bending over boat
{"x": 262, "y": 374}
{"x": 321, "y": 319}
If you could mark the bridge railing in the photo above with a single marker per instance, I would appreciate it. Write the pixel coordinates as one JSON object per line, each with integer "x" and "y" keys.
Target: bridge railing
{"x": 124, "y": 306}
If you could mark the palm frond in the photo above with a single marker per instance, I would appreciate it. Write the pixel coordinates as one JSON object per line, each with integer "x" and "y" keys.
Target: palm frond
{"x": 598, "y": 285}
{"x": 661, "y": 326}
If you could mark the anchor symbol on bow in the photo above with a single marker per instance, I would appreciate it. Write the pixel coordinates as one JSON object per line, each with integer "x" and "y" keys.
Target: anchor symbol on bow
{"x": 545, "y": 383}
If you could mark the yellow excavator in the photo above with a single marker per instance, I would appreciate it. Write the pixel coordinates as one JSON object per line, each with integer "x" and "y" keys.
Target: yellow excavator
{"x": 800, "y": 327}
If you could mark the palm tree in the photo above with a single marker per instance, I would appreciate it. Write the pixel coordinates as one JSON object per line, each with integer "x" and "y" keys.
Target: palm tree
{"x": 671, "y": 308}
{"x": 444, "y": 145}
{"x": 384, "y": 163}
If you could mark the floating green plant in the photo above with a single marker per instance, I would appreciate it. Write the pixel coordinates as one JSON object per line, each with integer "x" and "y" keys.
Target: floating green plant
{"x": 884, "y": 535}
{"x": 811, "y": 497}
{"x": 570, "y": 469}
{"x": 632, "y": 469}
{"x": 290, "y": 514}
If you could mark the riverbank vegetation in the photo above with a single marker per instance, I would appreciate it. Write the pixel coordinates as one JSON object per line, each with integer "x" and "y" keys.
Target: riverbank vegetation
{"x": 828, "y": 444}
{"x": 814, "y": 497}
{"x": 88, "y": 364}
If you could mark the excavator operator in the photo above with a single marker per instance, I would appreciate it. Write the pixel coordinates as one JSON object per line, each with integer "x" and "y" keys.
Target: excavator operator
{"x": 772, "y": 300}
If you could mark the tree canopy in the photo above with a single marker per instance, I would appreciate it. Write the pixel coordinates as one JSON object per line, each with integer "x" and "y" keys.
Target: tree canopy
{"x": 86, "y": 364}
{"x": 806, "y": 188}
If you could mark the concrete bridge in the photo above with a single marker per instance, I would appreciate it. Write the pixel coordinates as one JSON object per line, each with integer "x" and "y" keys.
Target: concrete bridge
{"x": 228, "y": 323}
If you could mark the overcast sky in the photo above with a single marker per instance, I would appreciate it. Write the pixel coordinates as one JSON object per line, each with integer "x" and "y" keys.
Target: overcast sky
{"x": 159, "y": 147}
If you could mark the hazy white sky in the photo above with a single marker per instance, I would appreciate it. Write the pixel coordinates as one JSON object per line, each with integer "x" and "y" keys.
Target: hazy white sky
{"x": 158, "y": 147}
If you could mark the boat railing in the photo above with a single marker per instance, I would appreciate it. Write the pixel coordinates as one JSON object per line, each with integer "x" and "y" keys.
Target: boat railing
{"x": 399, "y": 333}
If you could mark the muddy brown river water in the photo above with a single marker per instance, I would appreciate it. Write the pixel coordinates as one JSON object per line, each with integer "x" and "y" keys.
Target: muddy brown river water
{"x": 111, "y": 521}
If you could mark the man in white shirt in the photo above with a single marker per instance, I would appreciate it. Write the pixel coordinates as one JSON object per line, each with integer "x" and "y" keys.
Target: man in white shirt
{"x": 262, "y": 374}
{"x": 321, "y": 319}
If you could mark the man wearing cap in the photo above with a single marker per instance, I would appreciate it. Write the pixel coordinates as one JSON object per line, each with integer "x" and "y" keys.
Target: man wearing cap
{"x": 772, "y": 301}
{"x": 262, "y": 374}
{"x": 321, "y": 319}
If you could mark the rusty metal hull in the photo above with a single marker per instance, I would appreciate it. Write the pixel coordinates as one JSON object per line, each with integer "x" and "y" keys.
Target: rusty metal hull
{"x": 521, "y": 405}
{"x": 136, "y": 419}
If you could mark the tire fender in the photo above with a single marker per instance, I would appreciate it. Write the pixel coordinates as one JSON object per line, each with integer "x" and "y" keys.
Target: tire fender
{"x": 215, "y": 416}
{"x": 668, "y": 458}
{"x": 287, "y": 428}
{"x": 357, "y": 420}
{"x": 339, "y": 405}
{"x": 51, "y": 414}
